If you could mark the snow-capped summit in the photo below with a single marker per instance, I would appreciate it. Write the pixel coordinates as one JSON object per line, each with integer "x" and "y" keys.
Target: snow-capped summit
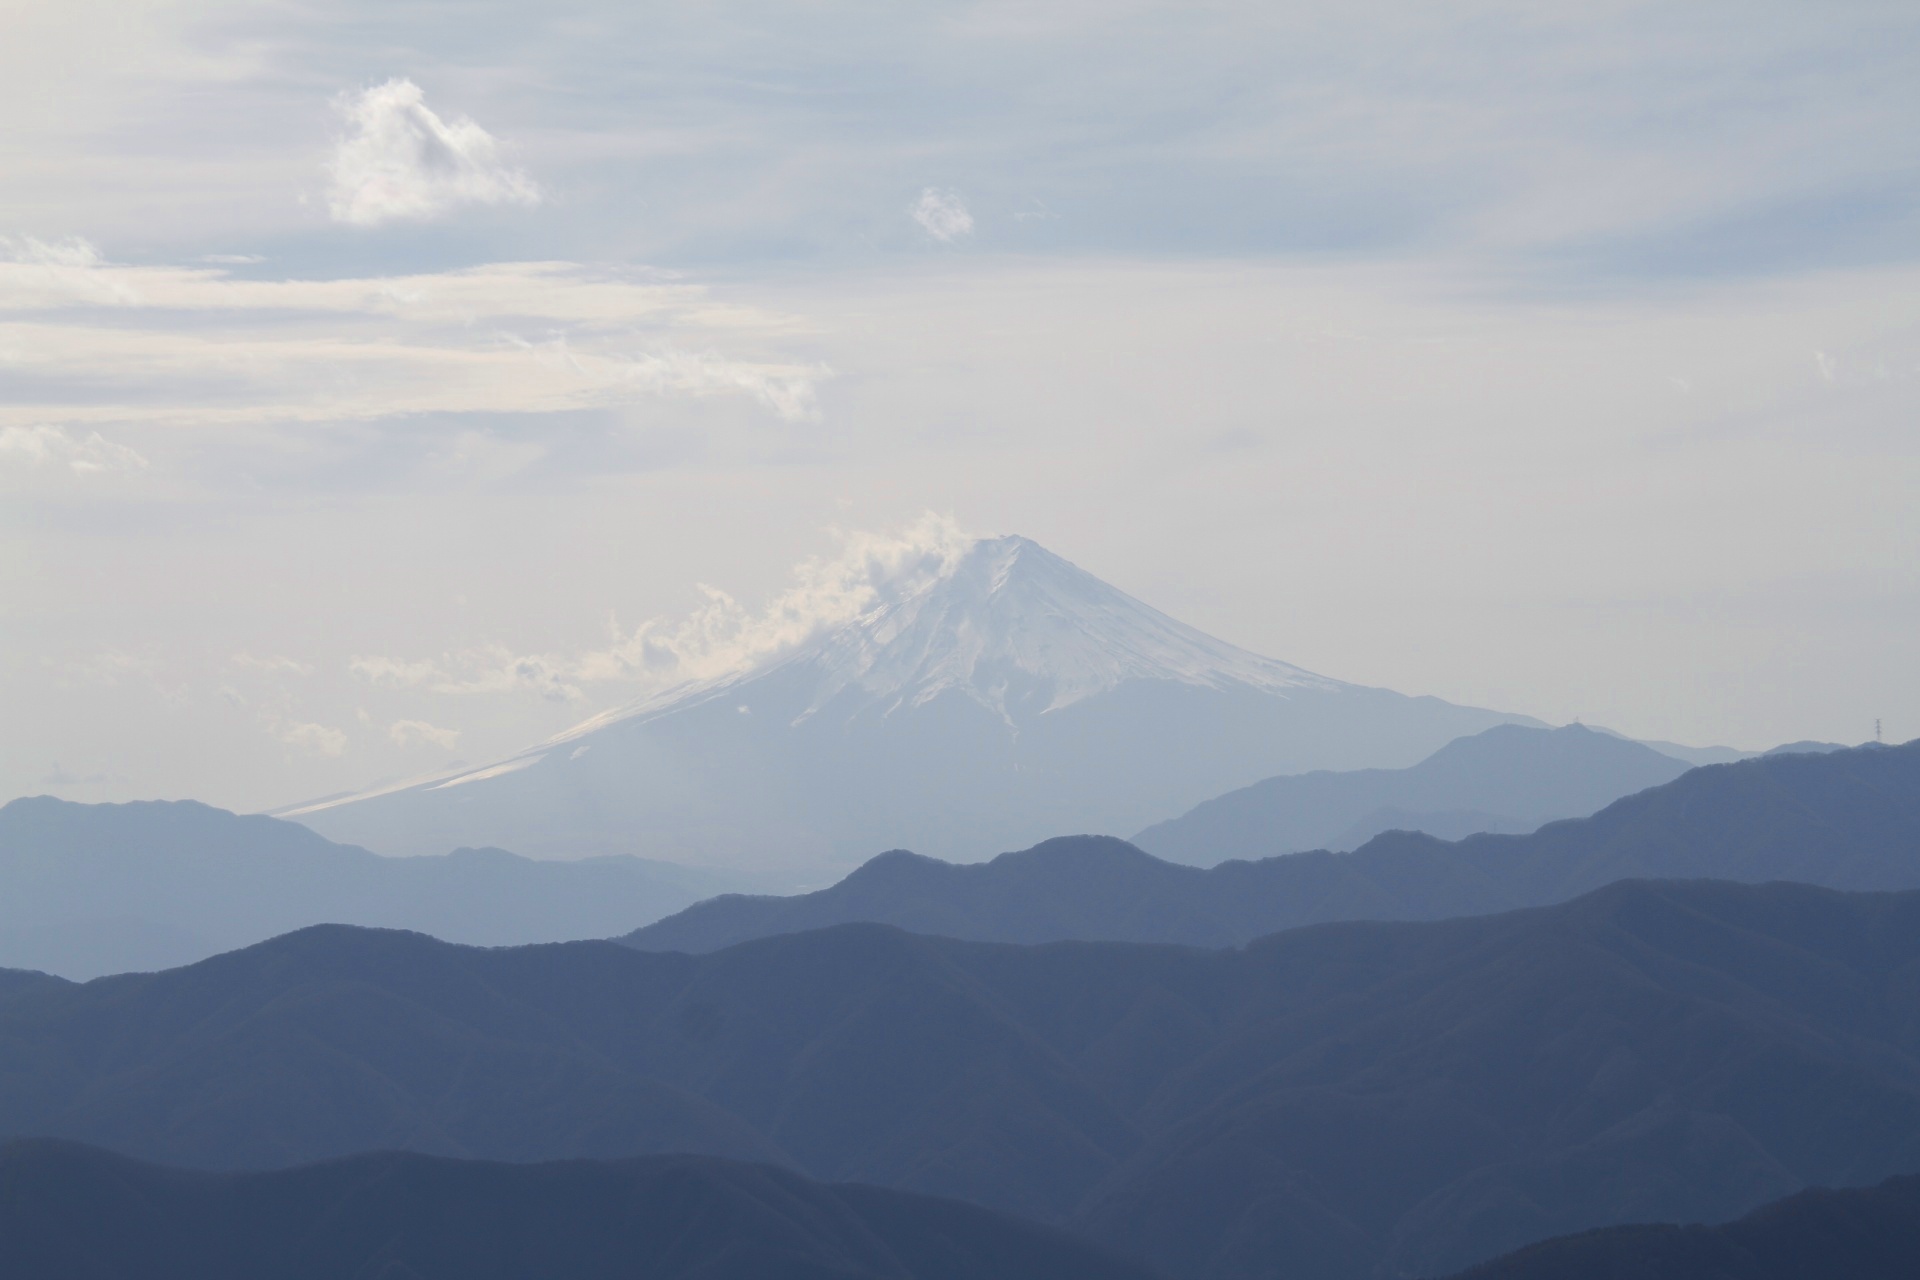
{"x": 1007, "y": 697}
{"x": 1014, "y": 627}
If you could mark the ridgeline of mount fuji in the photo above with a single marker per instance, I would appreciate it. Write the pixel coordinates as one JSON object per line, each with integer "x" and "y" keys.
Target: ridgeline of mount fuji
{"x": 1013, "y": 698}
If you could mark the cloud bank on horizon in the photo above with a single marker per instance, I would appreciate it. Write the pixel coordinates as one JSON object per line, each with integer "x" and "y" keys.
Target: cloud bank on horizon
{"x": 1586, "y": 335}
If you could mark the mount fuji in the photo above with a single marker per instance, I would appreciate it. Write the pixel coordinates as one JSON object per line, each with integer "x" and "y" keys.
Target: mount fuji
{"x": 1011, "y": 698}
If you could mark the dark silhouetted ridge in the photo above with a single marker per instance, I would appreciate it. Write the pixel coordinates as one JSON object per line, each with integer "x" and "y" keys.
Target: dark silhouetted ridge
{"x": 1863, "y": 1234}
{"x": 1334, "y": 1102}
{"x": 70, "y": 1211}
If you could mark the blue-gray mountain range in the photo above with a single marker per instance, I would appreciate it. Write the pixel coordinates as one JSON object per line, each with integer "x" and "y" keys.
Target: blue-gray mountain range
{"x": 93, "y": 889}
{"x": 1510, "y": 778}
{"x": 1847, "y": 819}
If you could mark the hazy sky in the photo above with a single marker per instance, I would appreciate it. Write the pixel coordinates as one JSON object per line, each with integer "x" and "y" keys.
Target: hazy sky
{"x": 380, "y": 382}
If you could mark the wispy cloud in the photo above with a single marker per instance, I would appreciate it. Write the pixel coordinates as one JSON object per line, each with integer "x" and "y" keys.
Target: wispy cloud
{"x": 401, "y": 162}
{"x": 411, "y": 732}
{"x": 787, "y": 390}
{"x": 942, "y": 215}
{"x": 72, "y": 253}
{"x": 717, "y": 639}
{"x": 105, "y": 668}
{"x": 197, "y": 346}
{"x": 320, "y": 739}
{"x": 44, "y": 445}
{"x": 276, "y": 665}
{"x": 61, "y": 273}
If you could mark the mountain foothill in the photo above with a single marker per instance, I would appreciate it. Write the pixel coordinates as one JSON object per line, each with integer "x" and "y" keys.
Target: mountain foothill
{"x": 1382, "y": 987}
{"x": 395, "y": 1216}
{"x": 1844, "y": 819}
{"x": 1338, "y": 1101}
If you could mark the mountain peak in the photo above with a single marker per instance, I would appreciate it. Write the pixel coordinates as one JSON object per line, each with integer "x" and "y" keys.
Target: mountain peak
{"x": 1018, "y": 629}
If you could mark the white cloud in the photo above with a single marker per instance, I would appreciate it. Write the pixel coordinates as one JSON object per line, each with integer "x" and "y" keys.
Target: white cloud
{"x": 722, "y": 637}
{"x": 490, "y": 668}
{"x": 52, "y": 446}
{"x": 391, "y": 671}
{"x": 61, "y": 272}
{"x": 406, "y": 732}
{"x": 203, "y": 348}
{"x": 73, "y": 253}
{"x": 402, "y": 162}
{"x": 277, "y": 665}
{"x": 788, "y": 392}
{"x": 317, "y": 738}
{"x": 942, "y": 215}
{"x": 719, "y": 638}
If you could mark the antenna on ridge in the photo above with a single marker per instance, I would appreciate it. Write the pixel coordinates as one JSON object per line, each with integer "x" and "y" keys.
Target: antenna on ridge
{"x": 1876, "y": 728}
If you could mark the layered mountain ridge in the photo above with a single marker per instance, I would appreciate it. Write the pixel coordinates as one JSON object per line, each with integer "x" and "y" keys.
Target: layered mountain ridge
{"x": 1846, "y": 819}
{"x": 1339, "y": 1102}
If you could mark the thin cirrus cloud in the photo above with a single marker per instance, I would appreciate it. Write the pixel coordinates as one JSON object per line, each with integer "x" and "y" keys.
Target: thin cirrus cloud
{"x": 319, "y": 739}
{"x": 52, "y": 446}
{"x": 97, "y": 344}
{"x": 942, "y": 215}
{"x": 407, "y": 733}
{"x": 400, "y": 162}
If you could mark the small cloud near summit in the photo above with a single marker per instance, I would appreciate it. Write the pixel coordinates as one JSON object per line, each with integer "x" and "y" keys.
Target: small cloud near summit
{"x": 942, "y": 215}
{"x": 402, "y": 162}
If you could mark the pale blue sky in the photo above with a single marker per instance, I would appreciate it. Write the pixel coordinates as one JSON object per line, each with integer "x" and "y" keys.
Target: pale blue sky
{"x": 1557, "y": 358}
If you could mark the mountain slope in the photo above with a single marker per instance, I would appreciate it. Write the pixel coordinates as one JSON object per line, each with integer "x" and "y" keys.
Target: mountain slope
{"x": 108, "y": 888}
{"x": 1325, "y": 1103}
{"x": 1848, "y": 820}
{"x": 1510, "y": 778}
{"x": 1009, "y": 697}
{"x": 73, "y": 1211}
{"x": 1870, "y": 1233}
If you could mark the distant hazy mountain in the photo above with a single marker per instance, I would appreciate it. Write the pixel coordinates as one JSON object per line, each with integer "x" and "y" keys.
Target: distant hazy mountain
{"x": 1806, "y": 747}
{"x": 1848, "y": 820}
{"x": 1014, "y": 698}
{"x": 108, "y": 888}
{"x": 1331, "y": 1103}
{"x": 68, "y": 1211}
{"x": 1870, "y": 1233}
{"x": 1510, "y": 778}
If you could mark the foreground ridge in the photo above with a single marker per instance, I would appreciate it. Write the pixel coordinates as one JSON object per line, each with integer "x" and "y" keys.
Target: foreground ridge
{"x": 69, "y": 1210}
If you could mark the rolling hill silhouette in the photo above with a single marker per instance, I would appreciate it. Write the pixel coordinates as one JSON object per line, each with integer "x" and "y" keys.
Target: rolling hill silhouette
{"x": 1326, "y": 1102}
{"x": 1870, "y": 1233}
{"x": 74, "y": 1211}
